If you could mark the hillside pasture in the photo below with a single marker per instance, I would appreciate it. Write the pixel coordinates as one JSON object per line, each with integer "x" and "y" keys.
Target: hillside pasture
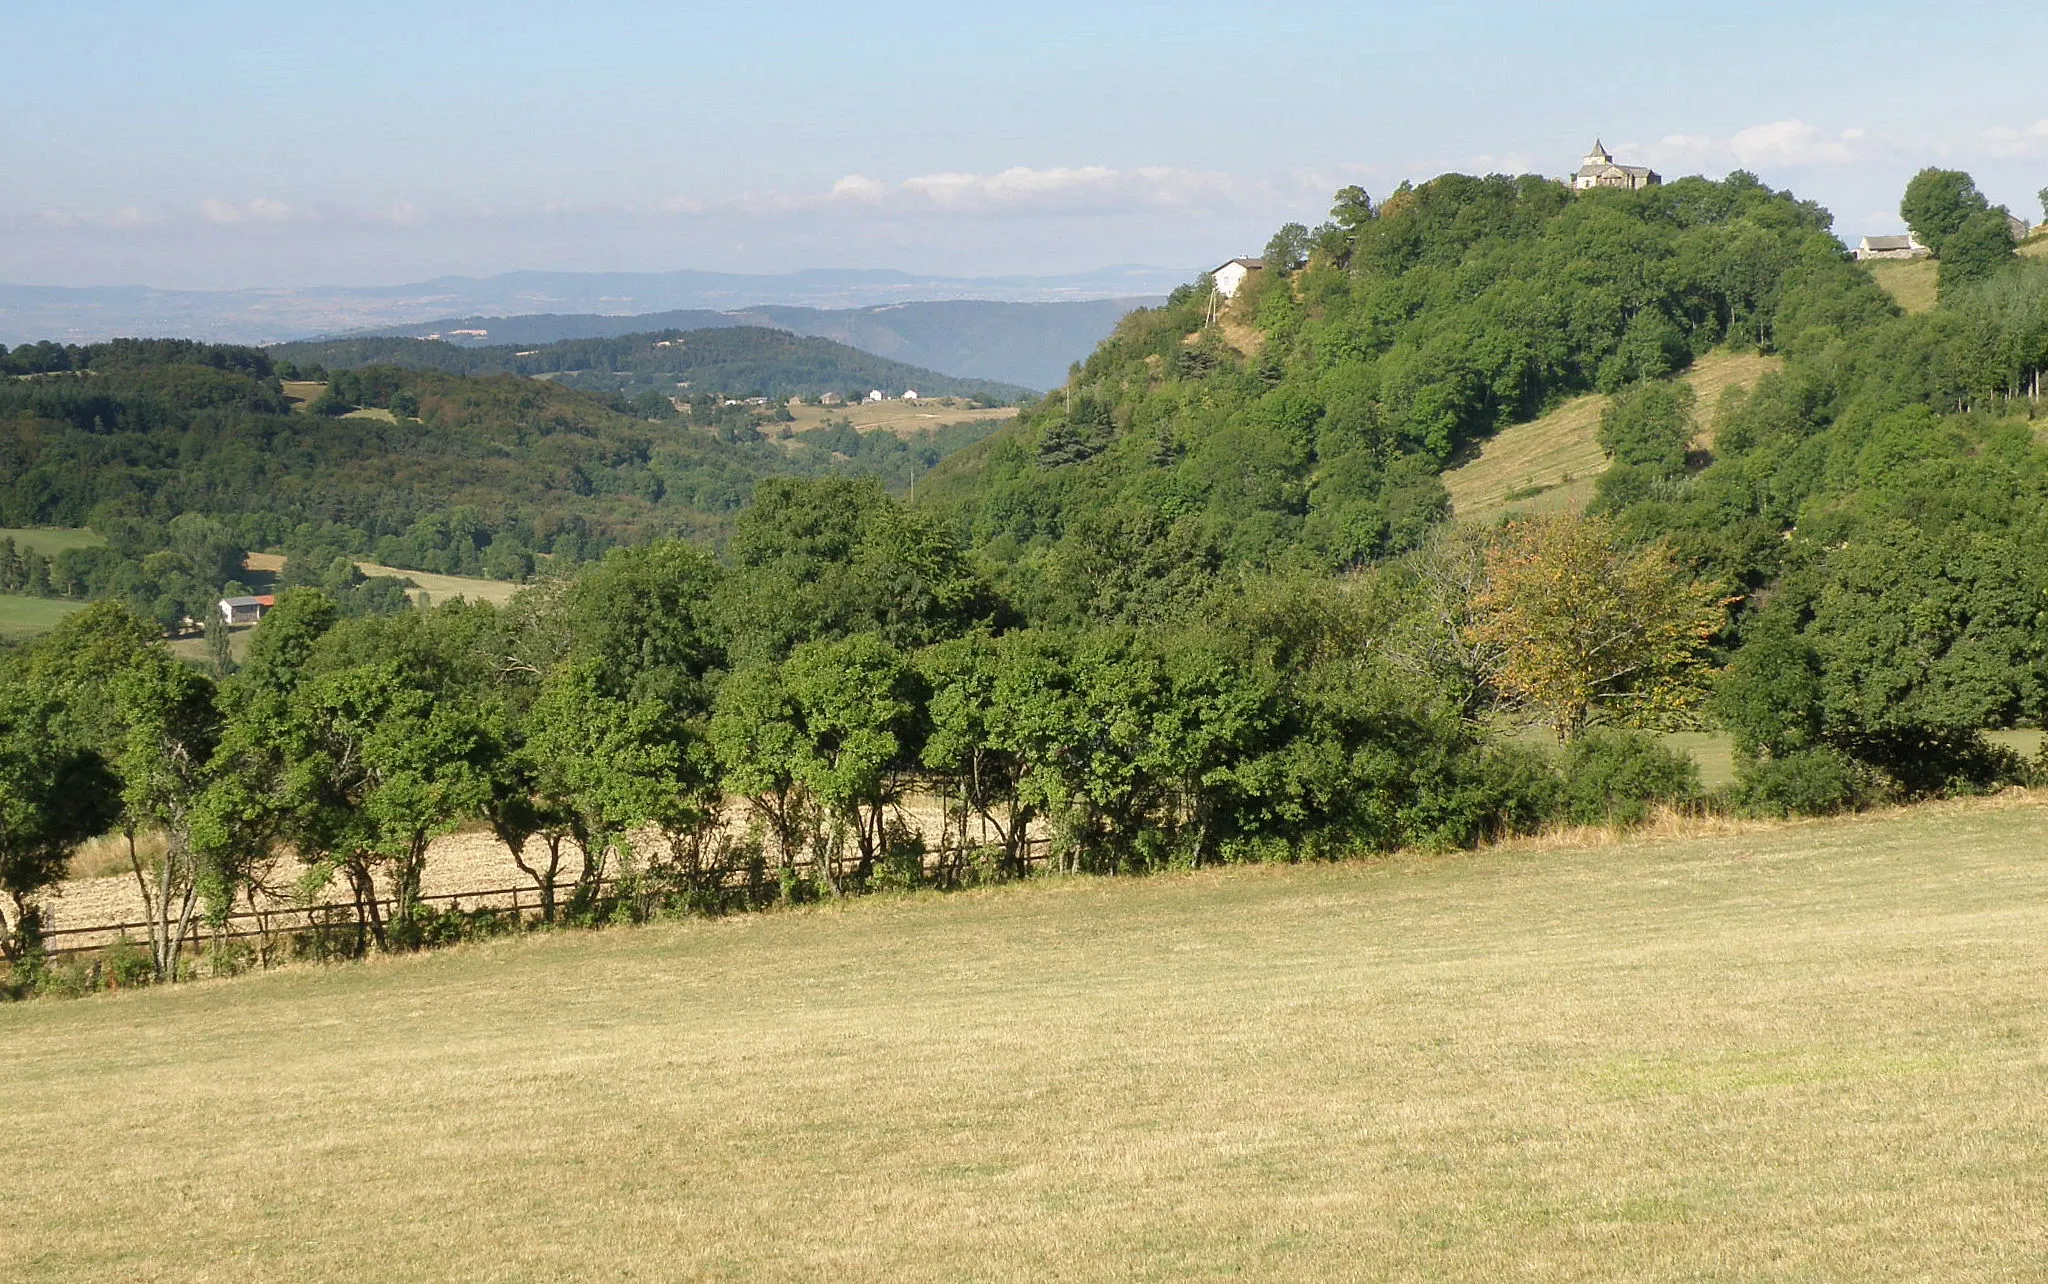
{"x": 1805, "y": 1052}
{"x": 439, "y": 588}
{"x": 50, "y": 540}
{"x": 302, "y": 393}
{"x": 899, "y": 417}
{"x": 22, "y": 616}
{"x": 1914, "y": 284}
{"x": 1549, "y": 464}
{"x": 1910, "y": 282}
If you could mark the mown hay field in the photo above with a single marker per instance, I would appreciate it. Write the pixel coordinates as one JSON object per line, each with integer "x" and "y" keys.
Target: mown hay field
{"x": 897, "y": 416}
{"x": 1810, "y": 1052}
{"x": 1910, "y": 282}
{"x": 1550, "y": 463}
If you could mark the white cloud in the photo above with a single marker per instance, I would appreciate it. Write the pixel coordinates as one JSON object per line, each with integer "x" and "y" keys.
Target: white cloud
{"x": 1779, "y": 144}
{"x": 1012, "y": 187}
{"x": 2028, "y": 140}
{"x": 1079, "y": 189}
{"x": 126, "y": 216}
{"x": 859, "y": 188}
{"x": 261, "y": 210}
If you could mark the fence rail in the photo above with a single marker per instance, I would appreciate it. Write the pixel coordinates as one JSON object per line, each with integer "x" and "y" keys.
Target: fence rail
{"x": 517, "y": 901}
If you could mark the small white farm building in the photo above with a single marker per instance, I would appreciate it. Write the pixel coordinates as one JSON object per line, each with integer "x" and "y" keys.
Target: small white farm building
{"x": 245, "y": 610}
{"x": 1231, "y": 275}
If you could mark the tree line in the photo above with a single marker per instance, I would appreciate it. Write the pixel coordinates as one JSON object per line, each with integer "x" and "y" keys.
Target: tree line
{"x": 674, "y": 729}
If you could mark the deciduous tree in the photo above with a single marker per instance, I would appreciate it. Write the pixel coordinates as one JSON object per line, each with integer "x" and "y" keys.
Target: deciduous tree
{"x": 54, "y": 794}
{"x": 1589, "y": 630}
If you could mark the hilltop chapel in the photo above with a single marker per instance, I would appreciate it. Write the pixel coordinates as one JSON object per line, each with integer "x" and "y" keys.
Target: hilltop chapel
{"x": 1599, "y": 170}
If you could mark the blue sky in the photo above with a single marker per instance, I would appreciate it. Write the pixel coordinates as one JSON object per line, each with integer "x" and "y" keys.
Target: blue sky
{"x": 220, "y": 144}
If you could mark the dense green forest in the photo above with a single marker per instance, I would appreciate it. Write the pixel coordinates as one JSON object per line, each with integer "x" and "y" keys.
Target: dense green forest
{"x": 739, "y": 361}
{"x": 1867, "y": 513}
{"x": 477, "y": 475}
{"x": 1207, "y": 603}
{"x": 1311, "y": 427}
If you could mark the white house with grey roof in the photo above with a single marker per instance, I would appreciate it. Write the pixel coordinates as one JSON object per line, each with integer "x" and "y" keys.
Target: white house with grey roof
{"x": 1891, "y": 247}
{"x": 1599, "y": 169}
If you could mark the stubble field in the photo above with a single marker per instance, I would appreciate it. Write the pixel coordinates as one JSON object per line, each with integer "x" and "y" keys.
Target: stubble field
{"x": 1810, "y": 1052}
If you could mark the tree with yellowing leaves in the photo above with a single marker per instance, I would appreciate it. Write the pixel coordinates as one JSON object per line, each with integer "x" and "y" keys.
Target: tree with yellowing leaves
{"x": 1589, "y": 630}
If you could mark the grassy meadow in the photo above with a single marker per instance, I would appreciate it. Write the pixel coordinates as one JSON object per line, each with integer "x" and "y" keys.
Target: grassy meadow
{"x": 1910, "y": 282}
{"x": 50, "y": 540}
{"x": 22, "y": 616}
{"x": 1914, "y": 283}
{"x": 900, "y": 417}
{"x": 439, "y": 588}
{"x": 1809, "y": 1052}
{"x": 1549, "y": 464}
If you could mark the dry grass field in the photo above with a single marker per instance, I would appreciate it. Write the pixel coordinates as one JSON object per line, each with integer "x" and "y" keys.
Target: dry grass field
{"x": 1910, "y": 282}
{"x": 302, "y": 392}
{"x": 1810, "y": 1052}
{"x": 1549, "y": 463}
{"x": 439, "y": 588}
{"x": 899, "y": 417}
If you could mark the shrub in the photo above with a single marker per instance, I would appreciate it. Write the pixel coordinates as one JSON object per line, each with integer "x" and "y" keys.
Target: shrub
{"x": 127, "y": 963}
{"x": 1936, "y": 763}
{"x": 1614, "y": 778}
{"x": 1821, "y": 781}
{"x": 1519, "y": 788}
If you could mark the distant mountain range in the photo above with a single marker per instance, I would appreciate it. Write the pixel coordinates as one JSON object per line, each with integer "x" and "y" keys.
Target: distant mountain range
{"x": 1029, "y": 344}
{"x": 78, "y": 315}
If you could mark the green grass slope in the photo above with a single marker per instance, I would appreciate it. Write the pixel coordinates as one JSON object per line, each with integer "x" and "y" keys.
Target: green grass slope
{"x": 22, "y": 616}
{"x": 1549, "y": 463}
{"x": 1808, "y": 1053}
{"x": 1910, "y": 282}
{"x": 50, "y": 540}
{"x": 1914, "y": 283}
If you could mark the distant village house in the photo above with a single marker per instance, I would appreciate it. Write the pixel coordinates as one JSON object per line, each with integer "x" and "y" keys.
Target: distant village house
{"x": 1599, "y": 170}
{"x": 244, "y": 610}
{"x": 1891, "y": 247}
{"x": 1231, "y": 275}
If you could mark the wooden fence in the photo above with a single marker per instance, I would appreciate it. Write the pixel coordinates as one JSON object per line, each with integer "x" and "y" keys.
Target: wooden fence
{"x": 516, "y": 904}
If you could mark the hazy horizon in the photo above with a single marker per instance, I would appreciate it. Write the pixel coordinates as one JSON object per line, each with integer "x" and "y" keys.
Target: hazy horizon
{"x": 375, "y": 144}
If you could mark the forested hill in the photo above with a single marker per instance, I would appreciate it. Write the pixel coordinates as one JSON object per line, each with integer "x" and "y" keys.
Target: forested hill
{"x": 1032, "y": 344}
{"x": 738, "y": 362}
{"x": 1309, "y": 420}
{"x": 184, "y": 449}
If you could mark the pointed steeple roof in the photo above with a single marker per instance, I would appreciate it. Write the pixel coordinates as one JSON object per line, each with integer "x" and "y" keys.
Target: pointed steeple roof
{"x": 1598, "y": 151}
